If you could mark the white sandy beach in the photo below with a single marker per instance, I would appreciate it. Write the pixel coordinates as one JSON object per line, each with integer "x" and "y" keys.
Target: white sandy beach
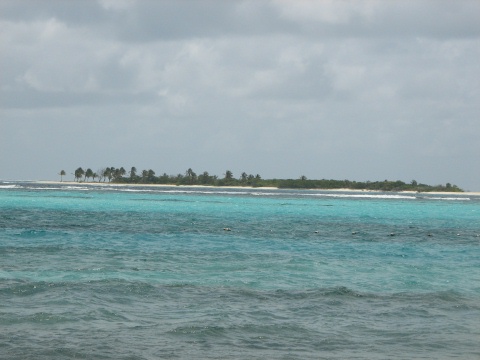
{"x": 53, "y": 182}
{"x": 148, "y": 185}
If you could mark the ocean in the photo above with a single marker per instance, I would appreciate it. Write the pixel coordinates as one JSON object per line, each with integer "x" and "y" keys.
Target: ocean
{"x": 131, "y": 272}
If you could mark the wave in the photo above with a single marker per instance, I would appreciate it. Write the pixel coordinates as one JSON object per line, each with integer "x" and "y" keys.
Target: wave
{"x": 341, "y": 195}
{"x": 115, "y": 285}
{"x": 449, "y": 198}
{"x": 9, "y": 186}
{"x": 236, "y": 192}
{"x": 367, "y": 196}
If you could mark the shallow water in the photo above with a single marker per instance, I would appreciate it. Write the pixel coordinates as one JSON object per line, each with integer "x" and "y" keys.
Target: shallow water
{"x": 144, "y": 273}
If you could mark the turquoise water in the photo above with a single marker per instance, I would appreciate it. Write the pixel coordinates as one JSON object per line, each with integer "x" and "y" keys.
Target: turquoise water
{"x": 105, "y": 272}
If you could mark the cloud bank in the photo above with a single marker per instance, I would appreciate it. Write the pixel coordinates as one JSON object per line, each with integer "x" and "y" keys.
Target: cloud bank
{"x": 362, "y": 90}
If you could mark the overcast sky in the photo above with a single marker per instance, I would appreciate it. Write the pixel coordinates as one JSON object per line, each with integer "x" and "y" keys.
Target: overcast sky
{"x": 358, "y": 90}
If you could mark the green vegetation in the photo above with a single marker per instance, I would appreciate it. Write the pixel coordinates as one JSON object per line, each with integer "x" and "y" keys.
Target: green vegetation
{"x": 62, "y": 173}
{"x": 118, "y": 176}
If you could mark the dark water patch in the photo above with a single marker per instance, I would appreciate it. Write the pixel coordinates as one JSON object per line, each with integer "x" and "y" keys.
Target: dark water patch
{"x": 23, "y": 288}
{"x": 44, "y": 318}
{"x": 284, "y": 226}
{"x": 28, "y": 249}
{"x": 188, "y": 320}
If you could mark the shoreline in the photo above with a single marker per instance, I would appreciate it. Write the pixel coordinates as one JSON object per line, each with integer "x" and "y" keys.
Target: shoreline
{"x": 53, "y": 182}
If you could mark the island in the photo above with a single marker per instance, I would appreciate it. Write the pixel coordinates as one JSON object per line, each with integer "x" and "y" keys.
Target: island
{"x": 191, "y": 178}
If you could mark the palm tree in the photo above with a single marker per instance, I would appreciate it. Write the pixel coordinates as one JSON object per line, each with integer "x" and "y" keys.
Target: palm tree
{"x": 151, "y": 175}
{"x": 79, "y": 173}
{"x": 88, "y": 174}
{"x": 133, "y": 172}
{"x": 62, "y": 174}
{"x": 107, "y": 174}
{"x": 117, "y": 173}
{"x": 243, "y": 177}
{"x": 204, "y": 178}
{"x": 144, "y": 175}
{"x": 228, "y": 179}
{"x": 111, "y": 173}
{"x": 191, "y": 175}
{"x": 95, "y": 175}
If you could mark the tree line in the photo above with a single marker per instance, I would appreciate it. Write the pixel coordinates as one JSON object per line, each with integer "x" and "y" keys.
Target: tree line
{"x": 121, "y": 176}
{"x": 133, "y": 176}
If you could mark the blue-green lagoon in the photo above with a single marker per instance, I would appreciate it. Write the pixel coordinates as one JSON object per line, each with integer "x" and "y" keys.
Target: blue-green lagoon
{"x": 131, "y": 272}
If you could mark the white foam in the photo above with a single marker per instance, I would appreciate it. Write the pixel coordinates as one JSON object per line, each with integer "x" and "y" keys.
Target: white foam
{"x": 449, "y": 198}
{"x": 77, "y": 188}
{"x": 237, "y": 192}
{"x": 367, "y": 196}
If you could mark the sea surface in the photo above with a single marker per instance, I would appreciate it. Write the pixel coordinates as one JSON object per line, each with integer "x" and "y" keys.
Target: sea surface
{"x": 119, "y": 272}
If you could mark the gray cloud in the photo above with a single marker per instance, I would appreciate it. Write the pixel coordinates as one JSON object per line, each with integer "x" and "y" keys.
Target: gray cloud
{"x": 360, "y": 90}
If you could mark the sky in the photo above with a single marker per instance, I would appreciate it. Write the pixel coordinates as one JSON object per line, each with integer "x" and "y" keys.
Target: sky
{"x": 357, "y": 90}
